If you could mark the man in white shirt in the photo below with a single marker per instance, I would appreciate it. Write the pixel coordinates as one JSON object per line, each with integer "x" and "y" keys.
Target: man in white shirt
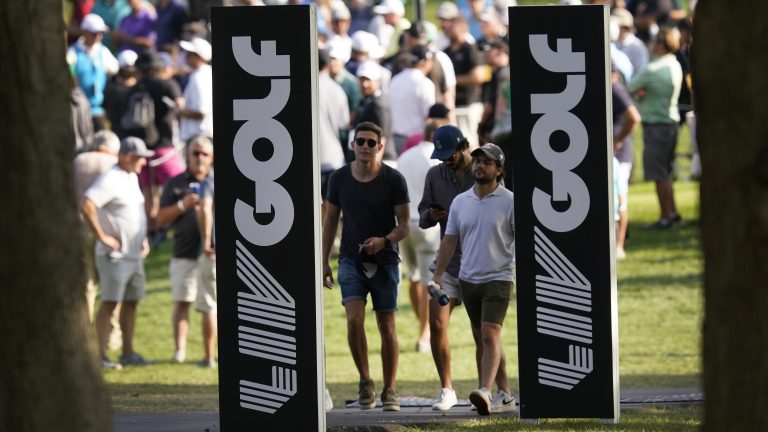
{"x": 196, "y": 118}
{"x": 411, "y": 94}
{"x": 113, "y": 208}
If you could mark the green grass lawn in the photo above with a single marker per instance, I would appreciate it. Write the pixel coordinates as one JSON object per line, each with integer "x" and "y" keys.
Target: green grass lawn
{"x": 660, "y": 314}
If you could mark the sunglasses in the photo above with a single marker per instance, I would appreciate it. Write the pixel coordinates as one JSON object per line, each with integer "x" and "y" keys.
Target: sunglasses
{"x": 363, "y": 141}
{"x": 199, "y": 153}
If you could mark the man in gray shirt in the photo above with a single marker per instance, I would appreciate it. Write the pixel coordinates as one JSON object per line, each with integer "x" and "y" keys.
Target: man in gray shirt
{"x": 482, "y": 219}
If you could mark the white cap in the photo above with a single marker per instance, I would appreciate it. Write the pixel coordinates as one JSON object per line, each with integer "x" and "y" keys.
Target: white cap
{"x": 368, "y": 43}
{"x": 447, "y": 10}
{"x": 339, "y": 11}
{"x": 338, "y": 50}
{"x": 390, "y": 6}
{"x": 93, "y": 23}
{"x": 369, "y": 69}
{"x": 198, "y": 46}
{"x": 127, "y": 58}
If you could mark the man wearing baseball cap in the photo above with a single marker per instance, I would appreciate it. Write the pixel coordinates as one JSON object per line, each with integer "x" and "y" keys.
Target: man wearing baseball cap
{"x": 481, "y": 219}
{"x": 197, "y": 116}
{"x": 113, "y": 209}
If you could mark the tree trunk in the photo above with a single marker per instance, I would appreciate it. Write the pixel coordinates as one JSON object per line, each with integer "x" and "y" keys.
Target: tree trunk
{"x": 731, "y": 89}
{"x": 49, "y": 373}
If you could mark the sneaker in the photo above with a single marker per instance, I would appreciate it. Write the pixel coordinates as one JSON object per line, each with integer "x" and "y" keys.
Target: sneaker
{"x": 502, "y": 402}
{"x": 207, "y": 364}
{"x": 179, "y": 356}
{"x": 676, "y": 219}
{"x": 135, "y": 359}
{"x": 327, "y": 401}
{"x": 107, "y": 364}
{"x": 621, "y": 254}
{"x": 366, "y": 394}
{"x": 481, "y": 398}
{"x": 423, "y": 346}
{"x": 446, "y": 399}
{"x": 660, "y": 224}
{"x": 389, "y": 400}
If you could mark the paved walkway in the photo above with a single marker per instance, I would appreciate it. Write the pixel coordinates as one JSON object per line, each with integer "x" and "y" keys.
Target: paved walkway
{"x": 415, "y": 412}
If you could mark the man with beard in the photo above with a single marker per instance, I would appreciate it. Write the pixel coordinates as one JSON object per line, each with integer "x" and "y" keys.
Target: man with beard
{"x": 482, "y": 220}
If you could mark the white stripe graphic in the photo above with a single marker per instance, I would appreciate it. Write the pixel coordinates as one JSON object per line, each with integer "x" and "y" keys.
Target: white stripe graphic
{"x": 266, "y": 345}
{"x": 268, "y": 399}
{"x": 259, "y": 280}
{"x": 566, "y": 375}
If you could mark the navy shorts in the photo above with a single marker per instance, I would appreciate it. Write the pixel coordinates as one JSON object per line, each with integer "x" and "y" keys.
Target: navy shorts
{"x": 355, "y": 286}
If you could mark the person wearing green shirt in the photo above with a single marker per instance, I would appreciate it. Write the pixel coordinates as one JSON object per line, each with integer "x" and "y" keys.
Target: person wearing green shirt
{"x": 656, "y": 88}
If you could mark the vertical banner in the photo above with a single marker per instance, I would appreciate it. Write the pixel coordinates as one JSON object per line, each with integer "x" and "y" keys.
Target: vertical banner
{"x": 564, "y": 238}
{"x": 271, "y": 370}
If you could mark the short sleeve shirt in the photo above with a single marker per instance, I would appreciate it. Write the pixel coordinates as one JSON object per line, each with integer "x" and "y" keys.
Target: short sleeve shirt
{"x": 368, "y": 208}
{"x": 464, "y": 60}
{"x": 486, "y": 229}
{"x": 186, "y": 231}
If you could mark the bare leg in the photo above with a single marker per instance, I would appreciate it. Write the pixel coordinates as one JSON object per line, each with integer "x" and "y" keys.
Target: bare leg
{"x": 491, "y": 337}
{"x": 103, "y": 327}
{"x": 389, "y": 347}
{"x": 127, "y": 323}
{"x": 180, "y": 325}
{"x": 209, "y": 336}
{"x": 441, "y": 349}
{"x": 666, "y": 196}
{"x": 358, "y": 344}
{"x": 420, "y": 304}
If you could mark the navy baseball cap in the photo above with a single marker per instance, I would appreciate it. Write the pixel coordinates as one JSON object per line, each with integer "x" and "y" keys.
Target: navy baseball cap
{"x": 447, "y": 139}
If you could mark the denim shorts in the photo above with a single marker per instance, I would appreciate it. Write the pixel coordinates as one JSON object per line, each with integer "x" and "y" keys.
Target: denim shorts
{"x": 356, "y": 286}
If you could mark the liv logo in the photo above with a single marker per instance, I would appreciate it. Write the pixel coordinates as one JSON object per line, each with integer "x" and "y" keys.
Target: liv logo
{"x": 266, "y": 310}
{"x": 562, "y": 290}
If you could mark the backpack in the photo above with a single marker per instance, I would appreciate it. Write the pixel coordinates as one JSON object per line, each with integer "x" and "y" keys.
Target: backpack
{"x": 138, "y": 119}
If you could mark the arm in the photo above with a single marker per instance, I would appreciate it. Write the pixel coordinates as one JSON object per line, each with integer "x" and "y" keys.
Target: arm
{"x": 205, "y": 221}
{"x": 330, "y": 225}
{"x": 88, "y": 210}
{"x": 373, "y": 245}
{"x": 444, "y": 255}
{"x": 170, "y": 212}
{"x": 429, "y": 217}
{"x": 475, "y": 76}
{"x": 630, "y": 119}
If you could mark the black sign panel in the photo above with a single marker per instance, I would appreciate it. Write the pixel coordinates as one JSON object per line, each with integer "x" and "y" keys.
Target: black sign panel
{"x": 267, "y": 218}
{"x": 567, "y": 318}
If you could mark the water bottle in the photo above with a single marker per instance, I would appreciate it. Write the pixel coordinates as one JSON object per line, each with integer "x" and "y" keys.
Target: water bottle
{"x": 437, "y": 293}
{"x": 194, "y": 188}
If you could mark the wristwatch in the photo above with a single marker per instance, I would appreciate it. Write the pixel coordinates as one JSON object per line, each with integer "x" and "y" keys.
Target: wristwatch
{"x": 387, "y": 242}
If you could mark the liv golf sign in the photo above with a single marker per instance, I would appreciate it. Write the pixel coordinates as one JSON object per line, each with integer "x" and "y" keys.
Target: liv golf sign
{"x": 271, "y": 373}
{"x": 567, "y": 313}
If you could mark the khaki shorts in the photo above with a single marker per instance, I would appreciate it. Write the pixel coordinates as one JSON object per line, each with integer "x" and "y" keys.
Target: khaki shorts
{"x": 451, "y": 287}
{"x": 486, "y": 302}
{"x": 183, "y": 273}
{"x": 418, "y": 250}
{"x": 122, "y": 279}
{"x": 206, "y": 285}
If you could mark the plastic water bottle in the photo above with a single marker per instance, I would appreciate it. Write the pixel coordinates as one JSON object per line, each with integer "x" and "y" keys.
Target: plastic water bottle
{"x": 437, "y": 293}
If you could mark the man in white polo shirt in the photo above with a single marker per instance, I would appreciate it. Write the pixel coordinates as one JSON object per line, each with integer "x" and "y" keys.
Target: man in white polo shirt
{"x": 482, "y": 220}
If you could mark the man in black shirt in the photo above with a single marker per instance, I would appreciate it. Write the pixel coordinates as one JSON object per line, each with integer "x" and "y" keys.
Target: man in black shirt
{"x": 374, "y": 199}
{"x": 179, "y": 206}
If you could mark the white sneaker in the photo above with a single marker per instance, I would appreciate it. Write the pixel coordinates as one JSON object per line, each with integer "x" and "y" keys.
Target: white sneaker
{"x": 327, "y": 401}
{"x": 179, "y": 356}
{"x": 446, "y": 399}
{"x": 502, "y": 402}
{"x": 481, "y": 398}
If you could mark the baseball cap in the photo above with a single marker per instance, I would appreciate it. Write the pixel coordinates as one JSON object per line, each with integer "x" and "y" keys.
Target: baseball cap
{"x": 390, "y": 6}
{"x": 338, "y": 50}
{"x": 127, "y": 58}
{"x": 198, "y": 46}
{"x": 93, "y": 23}
{"x": 133, "y": 145}
{"x": 491, "y": 151}
{"x": 438, "y": 111}
{"x": 107, "y": 140}
{"x": 447, "y": 10}
{"x": 446, "y": 139}
{"x": 370, "y": 70}
{"x": 340, "y": 12}
{"x": 148, "y": 60}
{"x": 623, "y": 18}
{"x": 368, "y": 43}
{"x": 421, "y": 53}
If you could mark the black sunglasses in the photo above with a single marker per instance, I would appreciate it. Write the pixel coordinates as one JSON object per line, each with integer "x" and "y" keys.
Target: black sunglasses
{"x": 199, "y": 153}
{"x": 363, "y": 141}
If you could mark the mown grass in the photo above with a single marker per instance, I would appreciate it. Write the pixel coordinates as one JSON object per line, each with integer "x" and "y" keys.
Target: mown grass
{"x": 660, "y": 312}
